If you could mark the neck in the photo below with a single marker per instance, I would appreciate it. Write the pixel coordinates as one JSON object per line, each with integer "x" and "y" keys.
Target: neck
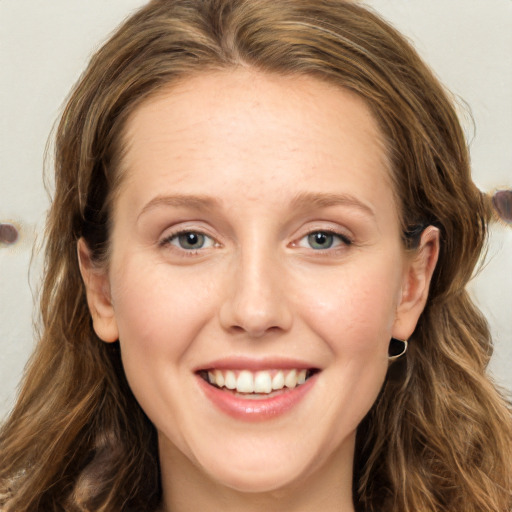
{"x": 327, "y": 488}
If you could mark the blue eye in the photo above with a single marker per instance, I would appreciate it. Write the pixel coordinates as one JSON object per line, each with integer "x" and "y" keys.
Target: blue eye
{"x": 322, "y": 240}
{"x": 190, "y": 240}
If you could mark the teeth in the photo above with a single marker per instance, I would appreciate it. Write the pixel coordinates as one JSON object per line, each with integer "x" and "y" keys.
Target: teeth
{"x": 229, "y": 380}
{"x": 290, "y": 381}
{"x": 262, "y": 382}
{"x": 278, "y": 381}
{"x": 219, "y": 378}
{"x": 245, "y": 382}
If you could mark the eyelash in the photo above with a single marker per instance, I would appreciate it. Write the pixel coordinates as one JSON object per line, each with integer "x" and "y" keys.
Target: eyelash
{"x": 344, "y": 240}
{"x": 168, "y": 240}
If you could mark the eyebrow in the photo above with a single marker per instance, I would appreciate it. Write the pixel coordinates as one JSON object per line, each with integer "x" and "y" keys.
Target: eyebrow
{"x": 300, "y": 201}
{"x": 316, "y": 200}
{"x": 197, "y": 202}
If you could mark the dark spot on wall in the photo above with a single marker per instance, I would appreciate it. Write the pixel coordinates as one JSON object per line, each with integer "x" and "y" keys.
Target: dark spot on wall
{"x": 8, "y": 234}
{"x": 502, "y": 202}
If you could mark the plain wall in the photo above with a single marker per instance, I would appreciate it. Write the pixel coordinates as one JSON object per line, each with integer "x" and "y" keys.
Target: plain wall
{"x": 44, "y": 46}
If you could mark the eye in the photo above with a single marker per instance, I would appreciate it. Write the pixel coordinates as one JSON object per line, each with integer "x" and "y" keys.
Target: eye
{"x": 322, "y": 240}
{"x": 189, "y": 240}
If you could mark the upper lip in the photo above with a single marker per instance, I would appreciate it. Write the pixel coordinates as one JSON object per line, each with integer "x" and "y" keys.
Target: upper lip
{"x": 252, "y": 364}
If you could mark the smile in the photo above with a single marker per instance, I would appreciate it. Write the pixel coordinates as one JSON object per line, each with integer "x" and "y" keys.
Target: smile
{"x": 262, "y": 383}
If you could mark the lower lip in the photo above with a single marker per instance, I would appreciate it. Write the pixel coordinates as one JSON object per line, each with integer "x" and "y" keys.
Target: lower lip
{"x": 256, "y": 409}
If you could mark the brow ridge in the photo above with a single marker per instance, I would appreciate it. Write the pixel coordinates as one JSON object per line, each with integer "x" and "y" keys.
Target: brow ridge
{"x": 325, "y": 200}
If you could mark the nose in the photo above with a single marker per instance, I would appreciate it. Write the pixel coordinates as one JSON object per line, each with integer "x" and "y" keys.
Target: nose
{"x": 256, "y": 299}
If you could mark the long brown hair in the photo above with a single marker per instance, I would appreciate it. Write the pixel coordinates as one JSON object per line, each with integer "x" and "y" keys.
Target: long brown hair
{"x": 439, "y": 436}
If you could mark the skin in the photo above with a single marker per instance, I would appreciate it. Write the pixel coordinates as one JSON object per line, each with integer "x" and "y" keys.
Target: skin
{"x": 264, "y": 156}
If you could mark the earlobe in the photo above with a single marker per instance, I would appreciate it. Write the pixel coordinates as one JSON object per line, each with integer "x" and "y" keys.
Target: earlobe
{"x": 97, "y": 289}
{"x": 417, "y": 276}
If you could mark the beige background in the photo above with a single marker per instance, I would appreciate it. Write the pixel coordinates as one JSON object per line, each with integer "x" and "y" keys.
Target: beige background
{"x": 44, "y": 45}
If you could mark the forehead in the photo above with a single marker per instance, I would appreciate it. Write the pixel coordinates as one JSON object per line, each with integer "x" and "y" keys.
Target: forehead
{"x": 243, "y": 127}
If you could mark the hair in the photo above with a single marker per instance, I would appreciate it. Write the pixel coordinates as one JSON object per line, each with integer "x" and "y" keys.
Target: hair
{"x": 439, "y": 436}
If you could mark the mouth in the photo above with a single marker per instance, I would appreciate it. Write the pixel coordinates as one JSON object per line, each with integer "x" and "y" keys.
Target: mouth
{"x": 260, "y": 384}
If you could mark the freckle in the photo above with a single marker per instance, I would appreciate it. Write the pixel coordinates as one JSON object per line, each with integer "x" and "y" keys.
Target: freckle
{"x": 8, "y": 234}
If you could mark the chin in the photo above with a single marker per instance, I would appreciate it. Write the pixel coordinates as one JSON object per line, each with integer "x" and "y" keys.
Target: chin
{"x": 260, "y": 481}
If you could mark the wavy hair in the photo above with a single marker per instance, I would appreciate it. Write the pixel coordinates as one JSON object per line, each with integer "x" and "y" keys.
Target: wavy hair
{"x": 438, "y": 437}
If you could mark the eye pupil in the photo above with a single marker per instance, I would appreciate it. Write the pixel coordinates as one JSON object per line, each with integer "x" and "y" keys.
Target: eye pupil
{"x": 320, "y": 240}
{"x": 191, "y": 240}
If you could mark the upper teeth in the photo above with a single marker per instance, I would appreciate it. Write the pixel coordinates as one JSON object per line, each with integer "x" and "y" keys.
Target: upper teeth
{"x": 265, "y": 381}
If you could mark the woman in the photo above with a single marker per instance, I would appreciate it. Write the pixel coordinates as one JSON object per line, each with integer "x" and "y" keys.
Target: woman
{"x": 252, "y": 199}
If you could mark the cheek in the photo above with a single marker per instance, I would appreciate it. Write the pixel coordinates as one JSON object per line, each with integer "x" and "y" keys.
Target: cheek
{"x": 353, "y": 308}
{"x": 159, "y": 314}
{"x": 159, "y": 311}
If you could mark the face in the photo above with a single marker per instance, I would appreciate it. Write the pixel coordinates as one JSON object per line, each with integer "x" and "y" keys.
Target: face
{"x": 256, "y": 275}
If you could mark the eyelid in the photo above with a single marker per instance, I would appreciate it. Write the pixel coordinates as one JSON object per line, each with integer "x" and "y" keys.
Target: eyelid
{"x": 343, "y": 234}
{"x": 343, "y": 239}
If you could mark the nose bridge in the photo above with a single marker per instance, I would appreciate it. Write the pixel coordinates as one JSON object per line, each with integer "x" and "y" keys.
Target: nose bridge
{"x": 256, "y": 302}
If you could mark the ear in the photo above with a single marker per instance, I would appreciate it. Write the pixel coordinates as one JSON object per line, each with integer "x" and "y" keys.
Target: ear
{"x": 97, "y": 288}
{"x": 416, "y": 282}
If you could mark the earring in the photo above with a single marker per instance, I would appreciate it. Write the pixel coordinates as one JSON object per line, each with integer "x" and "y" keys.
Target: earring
{"x": 397, "y": 348}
